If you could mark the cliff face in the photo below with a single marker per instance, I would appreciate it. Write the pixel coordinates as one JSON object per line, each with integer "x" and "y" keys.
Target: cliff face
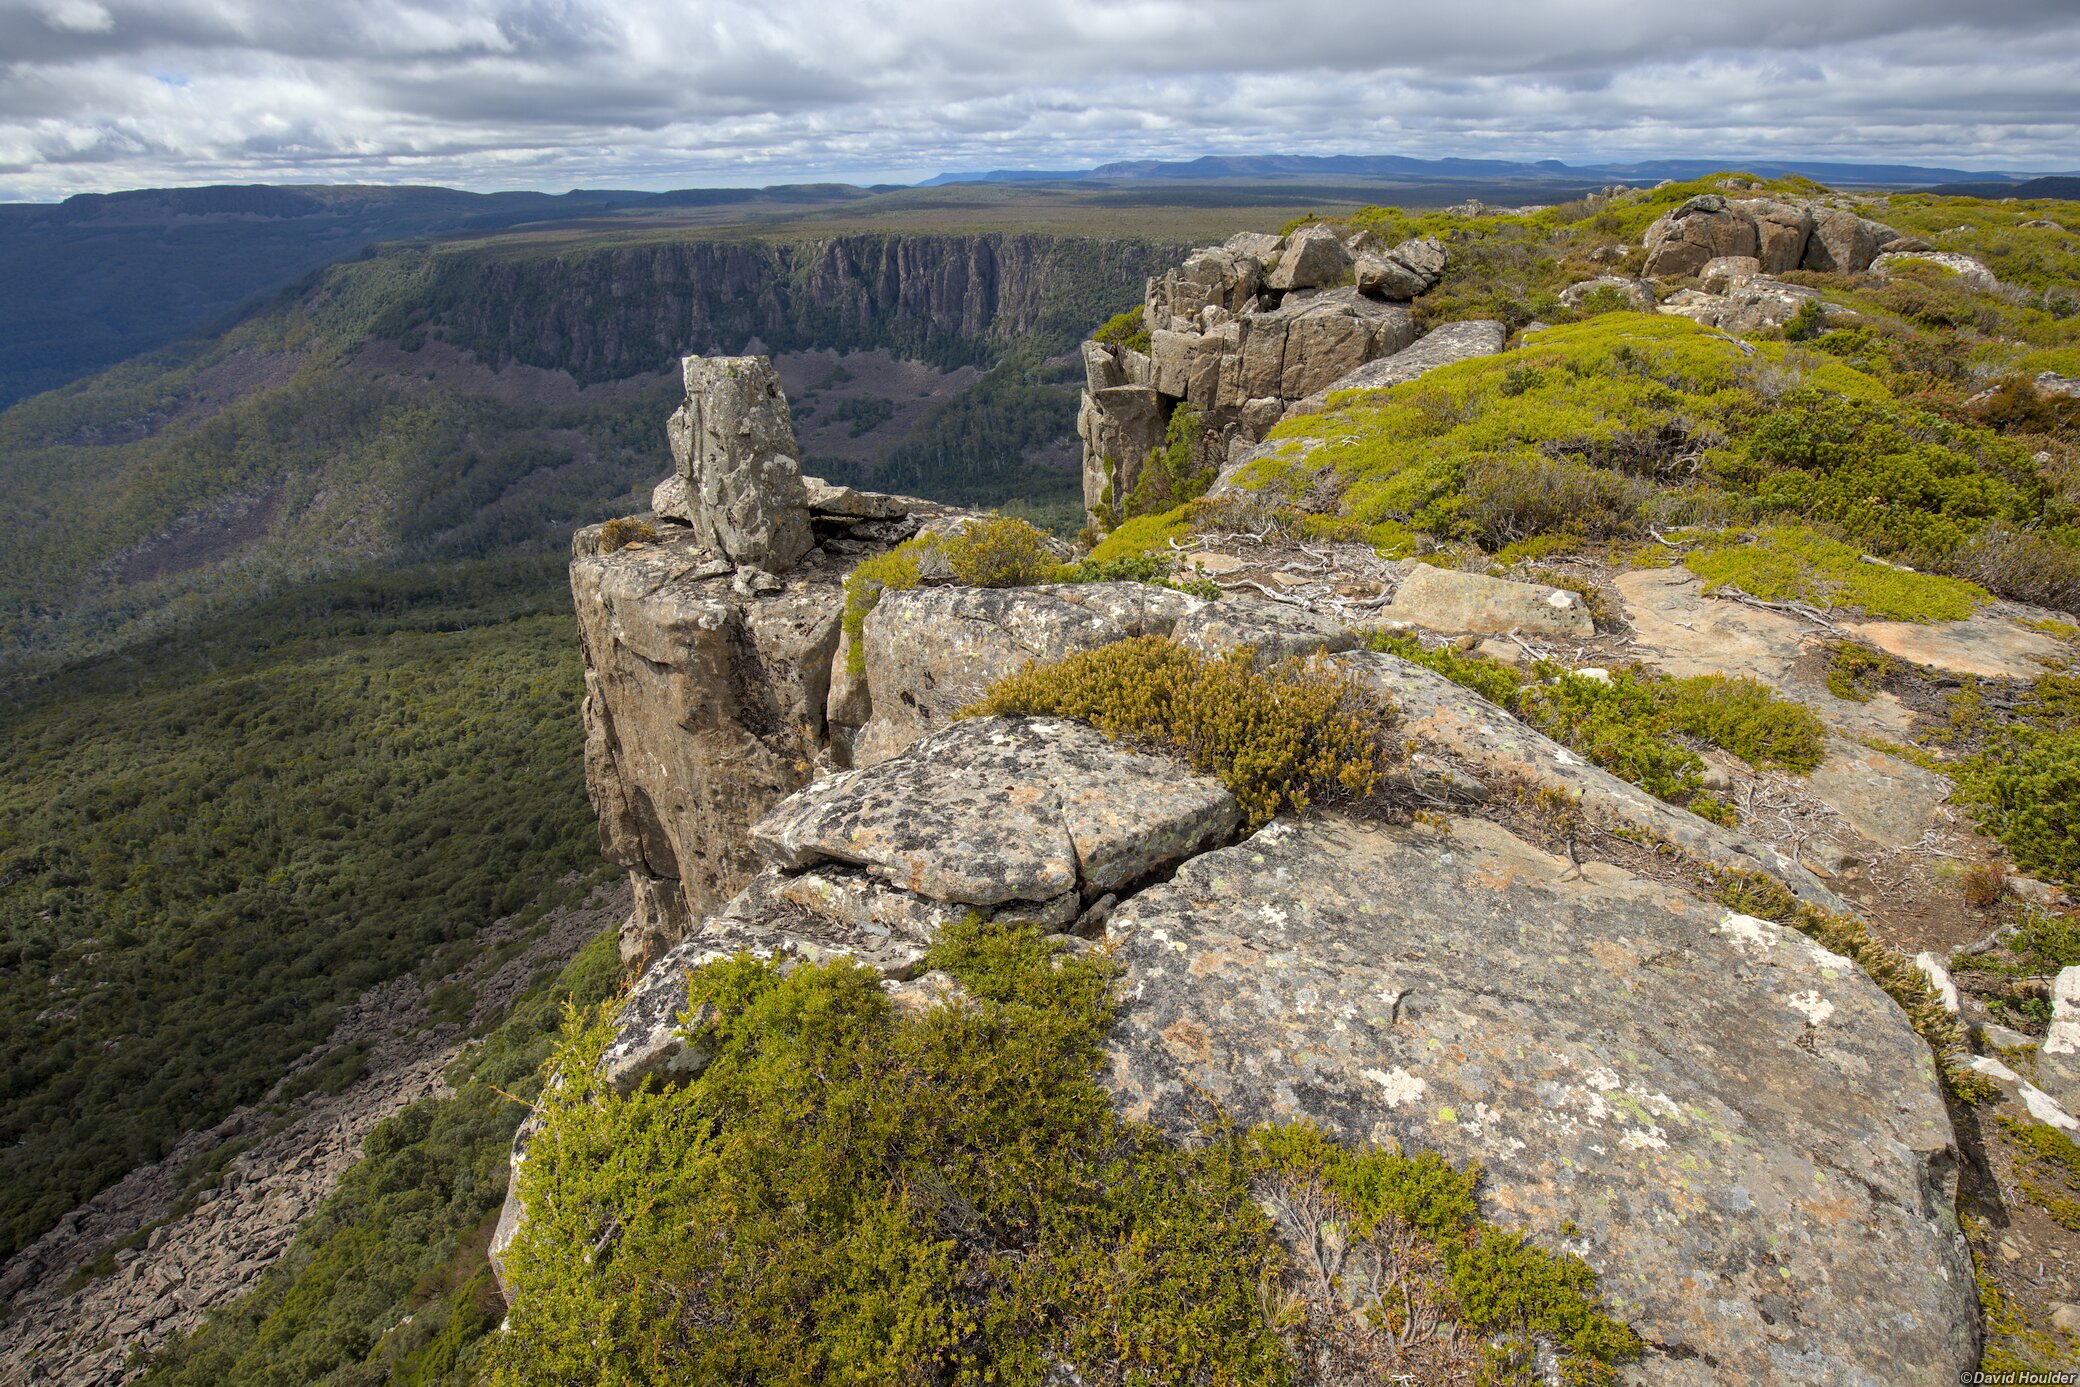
{"x": 617, "y": 311}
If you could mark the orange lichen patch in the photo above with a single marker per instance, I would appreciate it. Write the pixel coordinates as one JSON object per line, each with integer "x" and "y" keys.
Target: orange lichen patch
{"x": 1190, "y": 1038}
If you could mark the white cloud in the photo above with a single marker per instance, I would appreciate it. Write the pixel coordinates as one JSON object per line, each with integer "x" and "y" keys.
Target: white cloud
{"x": 682, "y": 92}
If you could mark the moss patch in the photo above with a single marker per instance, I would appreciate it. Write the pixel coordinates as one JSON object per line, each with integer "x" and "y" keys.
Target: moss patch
{"x": 1791, "y": 564}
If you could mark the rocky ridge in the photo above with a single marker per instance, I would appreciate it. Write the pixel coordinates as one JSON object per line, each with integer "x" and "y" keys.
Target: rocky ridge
{"x": 1663, "y": 1086}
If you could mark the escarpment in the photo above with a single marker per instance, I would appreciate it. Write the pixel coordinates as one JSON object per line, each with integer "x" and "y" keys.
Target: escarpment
{"x": 1507, "y": 955}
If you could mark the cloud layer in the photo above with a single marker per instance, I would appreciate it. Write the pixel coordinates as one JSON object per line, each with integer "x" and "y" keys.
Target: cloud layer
{"x": 103, "y": 94}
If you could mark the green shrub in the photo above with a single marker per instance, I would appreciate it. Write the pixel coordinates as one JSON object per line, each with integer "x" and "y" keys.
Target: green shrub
{"x": 854, "y": 1193}
{"x": 1788, "y": 563}
{"x": 2026, "y": 792}
{"x": 1125, "y": 329}
{"x": 1000, "y": 552}
{"x": 2047, "y": 1169}
{"x": 1491, "y": 679}
{"x": 898, "y": 569}
{"x": 1743, "y": 717}
{"x": 1174, "y": 473}
{"x": 1622, "y": 726}
{"x": 1279, "y": 739}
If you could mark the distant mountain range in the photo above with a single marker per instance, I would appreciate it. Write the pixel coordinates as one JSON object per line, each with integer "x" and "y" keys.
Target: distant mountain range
{"x": 1400, "y": 168}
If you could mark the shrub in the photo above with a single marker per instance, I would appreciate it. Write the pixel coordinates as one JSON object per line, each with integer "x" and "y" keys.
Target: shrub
{"x": 1280, "y": 738}
{"x": 1622, "y": 726}
{"x": 1125, "y": 329}
{"x": 1743, "y": 717}
{"x": 1788, "y": 563}
{"x": 624, "y": 531}
{"x": 1000, "y": 552}
{"x": 1809, "y": 322}
{"x": 852, "y": 1193}
{"x": 1491, "y": 679}
{"x": 2026, "y": 792}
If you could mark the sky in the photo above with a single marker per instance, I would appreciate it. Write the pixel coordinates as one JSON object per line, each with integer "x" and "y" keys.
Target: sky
{"x": 97, "y": 95}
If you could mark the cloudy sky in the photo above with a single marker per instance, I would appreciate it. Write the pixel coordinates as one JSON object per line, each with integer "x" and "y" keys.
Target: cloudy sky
{"x": 104, "y": 94}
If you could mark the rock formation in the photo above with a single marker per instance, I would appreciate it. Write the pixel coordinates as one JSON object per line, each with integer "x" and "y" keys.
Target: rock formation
{"x": 1778, "y": 236}
{"x": 1240, "y": 332}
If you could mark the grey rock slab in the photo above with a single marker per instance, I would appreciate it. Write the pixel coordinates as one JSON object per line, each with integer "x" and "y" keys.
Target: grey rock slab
{"x": 1459, "y": 721}
{"x": 1444, "y": 599}
{"x": 1440, "y": 347}
{"x": 1889, "y": 801}
{"x": 932, "y": 651}
{"x": 995, "y": 810}
{"x": 734, "y": 444}
{"x": 1736, "y": 1128}
{"x": 1383, "y": 277}
{"x": 1275, "y": 631}
{"x": 1972, "y": 272}
{"x": 670, "y": 500}
{"x": 1637, "y": 292}
{"x": 825, "y": 499}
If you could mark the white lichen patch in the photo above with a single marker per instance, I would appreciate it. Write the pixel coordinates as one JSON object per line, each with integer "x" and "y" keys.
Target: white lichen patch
{"x": 1746, "y": 930}
{"x": 1397, "y": 1086}
{"x": 1811, "y": 1005}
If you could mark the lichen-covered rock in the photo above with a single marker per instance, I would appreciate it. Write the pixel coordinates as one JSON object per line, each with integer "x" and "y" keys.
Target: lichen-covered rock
{"x": 1275, "y": 632}
{"x": 995, "y": 810}
{"x": 1638, "y": 293}
{"x": 1444, "y": 599}
{"x": 1782, "y": 228}
{"x": 1451, "y": 718}
{"x": 1213, "y": 277}
{"x": 932, "y": 651}
{"x": 1972, "y": 272}
{"x": 1736, "y": 1128}
{"x": 734, "y": 444}
{"x": 670, "y": 500}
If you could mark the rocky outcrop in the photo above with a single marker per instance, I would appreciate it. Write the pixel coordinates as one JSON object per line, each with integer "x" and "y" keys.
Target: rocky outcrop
{"x": 1441, "y": 346}
{"x": 932, "y": 651}
{"x": 709, "y": 651}
{"x": 734, "y": 447}
{"x": 1239, "y": 332}
{"x": 1683, "y": 1096}
{"x": 1778, "y": 236}
{"x": 1740, "y": 303}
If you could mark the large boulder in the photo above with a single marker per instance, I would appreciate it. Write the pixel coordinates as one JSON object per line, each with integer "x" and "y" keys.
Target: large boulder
{"x": 930, "y": 652}
{"x": 1781, "y": 228}
{"x": 1314, "y": 258}
{"x": 1311, "y": 339}
{"x": 1702, "y": 229}
{"x": 1445, "y": 599}
{"x": 734, "y": 445}
{"x": 996, "y": 810}
{"x": 1214, "y": 277}
{"x": 1441, "y": 346}
{"x": 1736, "y": 1128}
{"x": 1844, "y": 242}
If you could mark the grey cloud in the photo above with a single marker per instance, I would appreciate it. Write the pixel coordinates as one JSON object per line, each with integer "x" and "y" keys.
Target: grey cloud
{"x": 485, "y": 92}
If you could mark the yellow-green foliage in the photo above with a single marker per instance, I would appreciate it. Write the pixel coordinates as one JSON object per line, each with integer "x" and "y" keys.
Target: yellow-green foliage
{"x": 1280, "y": 738}
{"x": 1144, "y": 534}
{"x": 1125, "y": 329}
{"x": 1752, "y": 893}
{"x": 1000, "y": 552}
{"x": 851, "y": 1193}
{"x": 1790, "y": 563}
{"x": 624, "y": 531}
{"x": 1855, "y": 671}
{"x": 1628, "y": 725}
{"x": 2047, "y": 1169}
{"x": 1624, "y": 423}
{"x": 1501, "y": 1285}
{"x": 2013, "y": 1343}
{"x": 2025, "y": 790}
{"x": 898, "y": 569}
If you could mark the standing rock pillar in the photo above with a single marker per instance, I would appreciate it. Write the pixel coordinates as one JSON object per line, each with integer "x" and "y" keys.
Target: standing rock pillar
{"x": 733, "y": 443}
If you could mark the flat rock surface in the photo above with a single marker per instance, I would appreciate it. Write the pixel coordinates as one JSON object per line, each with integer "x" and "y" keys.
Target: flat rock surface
{"x": 1889, "y": 801}
{"x": 1984, "y": 644}
{"x": 1458, "y": 720}
{"x": 1681, "y": 632}
{"x": 1441, "y": 346}
{"x": 995, "y": 810}
{"x": 1273, "y": 631}
{"x": 1734, "y": 1127}
{"x": 1444, "y": 599}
